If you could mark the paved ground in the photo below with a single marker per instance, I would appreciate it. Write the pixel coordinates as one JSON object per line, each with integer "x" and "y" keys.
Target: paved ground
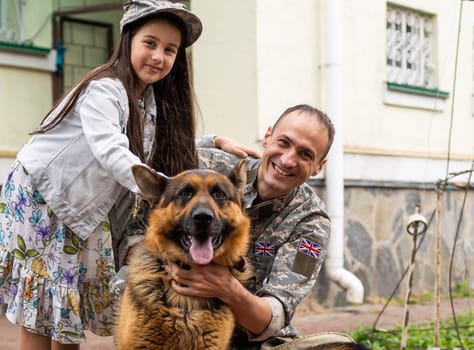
{"x": 308, "y": 320}
{"x": 347, "y": 319}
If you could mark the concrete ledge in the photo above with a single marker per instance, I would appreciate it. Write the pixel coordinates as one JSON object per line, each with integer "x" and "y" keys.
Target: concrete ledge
{"x": 25, "y": 60}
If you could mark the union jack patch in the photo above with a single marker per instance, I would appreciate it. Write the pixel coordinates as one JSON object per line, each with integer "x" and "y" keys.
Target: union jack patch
{"x": 264, "y": 249}
{"x": 310, "y": 248}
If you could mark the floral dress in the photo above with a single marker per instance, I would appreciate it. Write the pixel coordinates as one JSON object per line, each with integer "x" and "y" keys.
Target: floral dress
{"x": 54, "y": 283}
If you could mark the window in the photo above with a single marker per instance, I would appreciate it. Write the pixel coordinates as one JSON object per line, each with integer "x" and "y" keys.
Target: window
{"x": 409, "y": 48}
{"x": 11, "y": 21}
{"x": 15, "y": 49}
{"x": 410, "y": 60}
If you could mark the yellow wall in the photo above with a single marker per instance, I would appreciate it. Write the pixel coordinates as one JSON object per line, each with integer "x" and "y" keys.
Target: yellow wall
{"x": 25, "y": 97}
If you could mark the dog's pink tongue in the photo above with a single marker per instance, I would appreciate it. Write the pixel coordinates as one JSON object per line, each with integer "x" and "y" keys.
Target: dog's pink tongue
{"x": 201, "y": 252}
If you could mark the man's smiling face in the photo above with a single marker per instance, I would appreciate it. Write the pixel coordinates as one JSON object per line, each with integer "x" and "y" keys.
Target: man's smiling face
{"x": 293, "y": 151}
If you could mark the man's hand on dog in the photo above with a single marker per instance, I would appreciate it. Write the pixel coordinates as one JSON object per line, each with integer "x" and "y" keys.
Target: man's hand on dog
{"x": 205, "y": 281}
{"x": 215, "y": 281}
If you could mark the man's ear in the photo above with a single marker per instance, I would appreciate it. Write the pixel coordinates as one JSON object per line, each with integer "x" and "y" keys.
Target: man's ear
{"x": 267, "y": 136}
{"x": 319, "y": 167}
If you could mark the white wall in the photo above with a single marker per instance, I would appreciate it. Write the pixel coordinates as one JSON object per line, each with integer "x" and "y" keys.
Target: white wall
{"x": 369, "y": 123}
{"x": 288, "y": 49}
{"x": 254, "y": 60}
{"x": 224, "y": 61}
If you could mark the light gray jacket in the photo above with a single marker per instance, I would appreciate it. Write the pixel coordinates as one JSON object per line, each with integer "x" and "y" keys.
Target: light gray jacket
{"x": 80, "y": 166}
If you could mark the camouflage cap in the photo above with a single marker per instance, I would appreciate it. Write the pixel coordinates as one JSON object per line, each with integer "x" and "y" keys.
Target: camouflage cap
{"x": 136, "y": 9}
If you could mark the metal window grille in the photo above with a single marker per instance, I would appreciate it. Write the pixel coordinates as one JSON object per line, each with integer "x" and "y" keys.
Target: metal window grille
{"x": 409, "y": 47}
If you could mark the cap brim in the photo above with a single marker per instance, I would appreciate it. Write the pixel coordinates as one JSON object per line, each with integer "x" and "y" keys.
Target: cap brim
{"x": 191, "y": 22}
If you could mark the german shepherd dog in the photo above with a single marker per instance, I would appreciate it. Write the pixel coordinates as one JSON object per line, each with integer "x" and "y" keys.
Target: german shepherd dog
{"x": 196, "y": 217}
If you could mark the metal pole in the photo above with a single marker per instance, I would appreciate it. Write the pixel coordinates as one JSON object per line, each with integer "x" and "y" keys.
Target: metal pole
{"x": 403, "y": 342}
{"x": 416, "y": 225}
{"x": 438, "y": 267}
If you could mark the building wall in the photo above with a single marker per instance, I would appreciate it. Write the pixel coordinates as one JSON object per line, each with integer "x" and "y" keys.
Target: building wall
{"x": 378, "y": 247}
{"x": 395, "y": 155}
{"x": 256, "y": 58}
{"x": 370, "y": 123}
{"x": 26, "y": 92}
{"x": 288, "y": 57}
{"x": 225, "y": 69}
{"x": 246, "y": 75}
{"x": 25, "y": 97}
{"x": 25, "y": 88}
{"x": 22, "y": 98}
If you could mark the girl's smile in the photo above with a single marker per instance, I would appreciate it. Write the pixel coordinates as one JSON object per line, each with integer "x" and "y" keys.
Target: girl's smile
{"x": 153, "y": 50}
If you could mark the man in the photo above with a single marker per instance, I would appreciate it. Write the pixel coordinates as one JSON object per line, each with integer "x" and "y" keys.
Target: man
{"x": 289, "y": 234}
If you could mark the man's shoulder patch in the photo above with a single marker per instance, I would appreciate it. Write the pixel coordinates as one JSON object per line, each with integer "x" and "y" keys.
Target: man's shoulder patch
{"x": 306, "y": 257}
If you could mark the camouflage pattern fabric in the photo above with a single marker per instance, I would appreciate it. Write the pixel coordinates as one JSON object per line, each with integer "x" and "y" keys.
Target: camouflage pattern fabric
{"x": 308, "y": 342}
{"x": 289, "y": 239}
{"x": 137, "y": 9}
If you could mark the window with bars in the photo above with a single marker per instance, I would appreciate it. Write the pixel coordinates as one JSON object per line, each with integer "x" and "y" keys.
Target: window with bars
{"x": 409, "y": 48}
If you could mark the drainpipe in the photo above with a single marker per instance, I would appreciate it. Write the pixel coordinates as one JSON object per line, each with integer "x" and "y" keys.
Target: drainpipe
{"x": 334, "y": 176}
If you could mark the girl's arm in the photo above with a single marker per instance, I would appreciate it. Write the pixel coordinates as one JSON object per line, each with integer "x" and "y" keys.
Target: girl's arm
{"x": 103, "y": 110}
{"x": 227, "y": 144}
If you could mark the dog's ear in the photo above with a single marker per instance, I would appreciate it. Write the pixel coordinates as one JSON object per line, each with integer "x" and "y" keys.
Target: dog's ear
{"x": 238, "y": 177}
{"x": 151, "y": 183}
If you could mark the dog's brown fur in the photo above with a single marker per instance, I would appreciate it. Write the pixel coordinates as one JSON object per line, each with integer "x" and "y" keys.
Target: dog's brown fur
{"x": 198, "y": 204}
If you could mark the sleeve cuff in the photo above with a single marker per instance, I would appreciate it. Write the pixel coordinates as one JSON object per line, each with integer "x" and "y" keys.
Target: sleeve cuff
{"x": 277, "y": 322}
{"x": 125, "y": 245}
{"x": 207, "y": 141}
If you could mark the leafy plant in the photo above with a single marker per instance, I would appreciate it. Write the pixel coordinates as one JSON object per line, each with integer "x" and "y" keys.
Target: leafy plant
{"x": 421, "y": 336}
{"x": 462, "y": 290}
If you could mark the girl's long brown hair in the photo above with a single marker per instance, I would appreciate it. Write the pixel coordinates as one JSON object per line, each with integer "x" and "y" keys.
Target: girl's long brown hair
{"x": 174, "y": 149}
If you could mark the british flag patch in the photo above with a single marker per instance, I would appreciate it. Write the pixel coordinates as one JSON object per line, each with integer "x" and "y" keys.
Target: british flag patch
{"x": 310, "y": 248}
{"x": 264, "y": 249}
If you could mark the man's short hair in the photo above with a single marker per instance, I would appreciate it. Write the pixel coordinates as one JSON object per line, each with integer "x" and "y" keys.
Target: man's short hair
{"x": 322, "y": 117}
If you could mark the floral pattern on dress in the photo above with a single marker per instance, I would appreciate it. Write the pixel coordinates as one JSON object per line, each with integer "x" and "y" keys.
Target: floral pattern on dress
{"x": 54, "y": 282}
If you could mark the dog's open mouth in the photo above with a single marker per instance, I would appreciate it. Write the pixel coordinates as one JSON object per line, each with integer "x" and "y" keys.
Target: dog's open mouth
{"x": 201, "y": 250}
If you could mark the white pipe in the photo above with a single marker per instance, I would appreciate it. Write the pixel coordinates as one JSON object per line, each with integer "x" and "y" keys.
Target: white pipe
{"x": 334, "y": 263}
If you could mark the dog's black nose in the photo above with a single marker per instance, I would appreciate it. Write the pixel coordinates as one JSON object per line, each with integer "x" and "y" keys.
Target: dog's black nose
{"x": 203, "y": 216}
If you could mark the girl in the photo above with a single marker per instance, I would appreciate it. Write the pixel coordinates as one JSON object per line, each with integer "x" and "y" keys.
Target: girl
{"x": 56, "y": 257}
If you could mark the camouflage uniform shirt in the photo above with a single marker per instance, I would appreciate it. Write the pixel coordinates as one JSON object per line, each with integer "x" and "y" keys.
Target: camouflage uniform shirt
{"x": 289, "y": 239}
